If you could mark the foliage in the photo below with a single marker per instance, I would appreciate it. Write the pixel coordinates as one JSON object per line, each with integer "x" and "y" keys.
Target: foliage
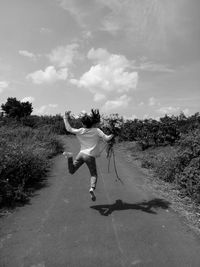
{"x": 181, "y": 166}
{"x": 150, "y": 132}
{"x": 25, "y": 154}
{"x": 113, "y": 124}
{"x": 16, "y": 109}
{"x": 54, "y": 123}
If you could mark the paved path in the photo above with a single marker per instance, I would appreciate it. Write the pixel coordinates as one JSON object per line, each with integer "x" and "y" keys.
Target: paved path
{"x": 126, "y": 226}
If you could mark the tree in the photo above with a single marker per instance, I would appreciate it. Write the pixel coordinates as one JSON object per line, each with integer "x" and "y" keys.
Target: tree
{"x": 16, "y": 109}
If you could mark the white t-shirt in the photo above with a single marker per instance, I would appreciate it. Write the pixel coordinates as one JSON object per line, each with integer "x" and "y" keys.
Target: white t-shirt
{"x": 89, "y": 139}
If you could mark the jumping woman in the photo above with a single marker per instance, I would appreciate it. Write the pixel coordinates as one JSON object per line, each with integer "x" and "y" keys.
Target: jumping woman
{"x": 89, "y": 137}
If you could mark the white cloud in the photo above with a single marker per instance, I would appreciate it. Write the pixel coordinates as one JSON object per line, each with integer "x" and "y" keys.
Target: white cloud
{"x": 53, "y": 105}
{"x": 111, "y": 26}
{"x": 133, "y": 117}
{"x": 45, "y": 30}
{"x": 186, "y": 111}
{"x": 63, "y": 56}
{"x": 100, "y": 54}
{"x": 111, "y": 73}
{"x": 99, "y": 97}
{"x": 49, "y": 75}
{"x": 28, "y": 99}
{"x": 87, "y": 35}
{"x": 3, "y": 85}
{"x": 141, "y": 104}
{"x": 45, "y": 109}
{"x": 137, "y": 19}
{"x": 169, "y": 110}
{"x": 74, "y": 9}
{"x": 153, "y": 101}
{"x": 120, "y": 102}
{"x": 146, "y": 116}
{"x": 153, "y": 66}
{"x": 27, "y": 54}
{"x": 133, "y": 19}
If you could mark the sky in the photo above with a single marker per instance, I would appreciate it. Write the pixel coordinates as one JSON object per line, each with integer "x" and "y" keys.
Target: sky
{"x": 137, "y": 58}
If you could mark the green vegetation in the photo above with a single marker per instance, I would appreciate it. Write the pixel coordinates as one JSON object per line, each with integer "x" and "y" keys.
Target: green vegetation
{"x": 14, "y": 108}
{"x": 25, "y": 155}
{"x": 27, "y": 144}
{"x": 182, "y": 167}
{"x": 170, "y": 146}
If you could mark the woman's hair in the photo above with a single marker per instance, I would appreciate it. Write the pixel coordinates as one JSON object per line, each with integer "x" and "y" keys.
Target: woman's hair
{"x": 90, "y": 120}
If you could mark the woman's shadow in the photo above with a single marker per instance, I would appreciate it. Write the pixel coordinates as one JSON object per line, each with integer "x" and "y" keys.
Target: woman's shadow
{"x": 146, "y": 206}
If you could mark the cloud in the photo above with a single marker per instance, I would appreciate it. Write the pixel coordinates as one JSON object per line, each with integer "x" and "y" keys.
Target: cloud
{"x": 146, "y": 65}
{"x": 87, "y": 35}
{"x": 45, "y": 109}
{"x": 169, "y": 110}
{"x": 153, "y": 101}
{"x": 25, "y": 53}
{"x": 110, "y": 73}
{"x": 186, "y": 111}
{"x": 140, "y": 17}
{"x": 141, "y": 104}
{"x": 53, "y": 105}
{"x": 132, "y": 117}
{"x": 3, "y": 85}
{"x": 99, "y": 97}
{"x": 75, "y": 9}
{"x": 120, "y": 102}
{"x": 87, "y": 14}
{"x": 49, "y": 75}
{"x": 145, "y": 24}
{"x": 28, "y": 99}
{"x": 63, "y": 56}
{"x": 45, "y": 30}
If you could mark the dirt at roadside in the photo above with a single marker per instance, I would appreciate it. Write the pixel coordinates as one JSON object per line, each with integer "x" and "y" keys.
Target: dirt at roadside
{"x": 186, "y": 208}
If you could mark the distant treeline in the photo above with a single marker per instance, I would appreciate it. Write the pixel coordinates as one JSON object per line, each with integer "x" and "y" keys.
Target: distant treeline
{"x": 53, "y": 123}
{"x": 150, "y": 132}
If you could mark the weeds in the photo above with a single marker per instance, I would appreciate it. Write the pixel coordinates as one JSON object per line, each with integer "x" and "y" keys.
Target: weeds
{"x": 179, "y": 165}
{"x": 24, "y": 160}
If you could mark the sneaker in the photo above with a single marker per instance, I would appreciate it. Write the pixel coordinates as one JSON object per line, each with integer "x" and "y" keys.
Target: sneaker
{"x": 68, "y": 154}
{"x": 93, "y": 197}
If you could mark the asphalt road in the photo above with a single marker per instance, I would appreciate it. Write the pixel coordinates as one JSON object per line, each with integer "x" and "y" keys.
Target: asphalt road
{"x": 127, "y": 225}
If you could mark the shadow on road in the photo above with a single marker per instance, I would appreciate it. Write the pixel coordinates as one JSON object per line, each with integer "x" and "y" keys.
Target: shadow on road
{"x": 146, "y": 206}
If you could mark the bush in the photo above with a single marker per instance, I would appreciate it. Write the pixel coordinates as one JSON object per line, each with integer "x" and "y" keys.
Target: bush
{"x": 24, "y": 160}
{"x": 166, "y": 168}
{"x": 182, "y": 166}
{"x": 189, "y": 180}
{"x": 20, "y": 166}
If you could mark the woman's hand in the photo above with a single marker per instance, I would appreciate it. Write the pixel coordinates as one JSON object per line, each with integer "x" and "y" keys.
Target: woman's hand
{"x": 67, "y": 114}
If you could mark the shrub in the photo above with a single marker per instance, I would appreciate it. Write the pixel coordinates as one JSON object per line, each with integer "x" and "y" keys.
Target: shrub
{"x": 166, "y": 168}
{"x": 182, "y": 166}
{"x": 24, "y": 160}
{"x": 189, "y": 179}
{"x": 20, "y": 166}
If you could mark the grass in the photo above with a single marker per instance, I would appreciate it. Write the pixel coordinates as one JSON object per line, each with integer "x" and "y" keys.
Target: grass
{"x": 25, "y": 160}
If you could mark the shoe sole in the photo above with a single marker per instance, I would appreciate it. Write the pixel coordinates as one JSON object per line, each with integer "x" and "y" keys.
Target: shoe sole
{"x": 93, "y": 197}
